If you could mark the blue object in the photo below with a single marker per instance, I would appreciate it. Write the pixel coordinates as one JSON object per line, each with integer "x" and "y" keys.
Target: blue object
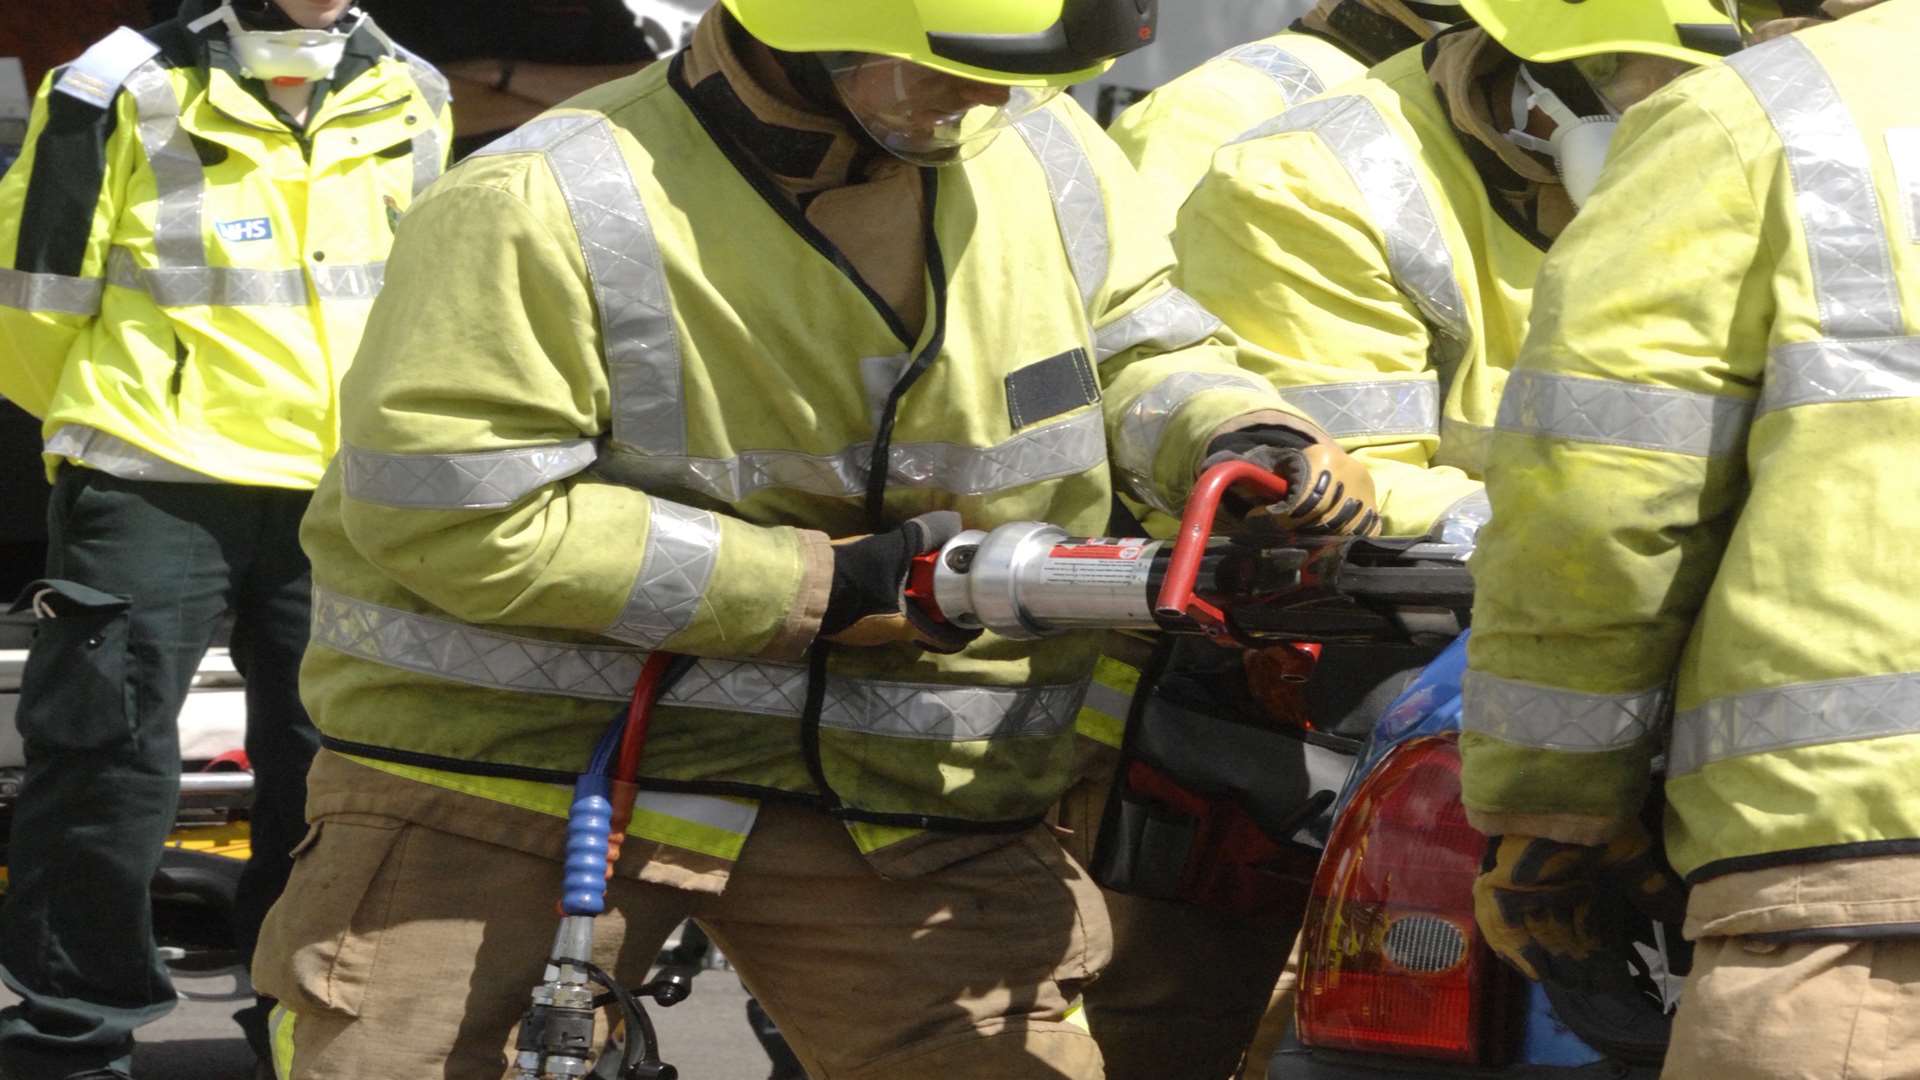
{"x": 583, "y": 888}
{"x": 1546, "y": 1040}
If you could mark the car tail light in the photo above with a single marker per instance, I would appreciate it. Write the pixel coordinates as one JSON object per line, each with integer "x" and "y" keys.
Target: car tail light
{"x": 1391, "y": 961}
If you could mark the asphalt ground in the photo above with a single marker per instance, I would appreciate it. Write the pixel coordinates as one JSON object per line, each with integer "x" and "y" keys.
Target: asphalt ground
{"x": 706, "y": 1036}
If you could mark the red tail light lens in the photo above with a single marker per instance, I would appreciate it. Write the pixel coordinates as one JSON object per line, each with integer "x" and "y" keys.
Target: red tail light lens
{"x": 1391, "y": 961}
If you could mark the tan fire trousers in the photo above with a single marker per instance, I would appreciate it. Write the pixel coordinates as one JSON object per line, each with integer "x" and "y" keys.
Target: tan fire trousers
{"x": 1843, "y": 1010}
{"x": 401, "y": 951}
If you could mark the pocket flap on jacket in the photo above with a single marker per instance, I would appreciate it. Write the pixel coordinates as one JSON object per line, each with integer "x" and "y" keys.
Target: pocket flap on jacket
{"x": 70, "y": 598}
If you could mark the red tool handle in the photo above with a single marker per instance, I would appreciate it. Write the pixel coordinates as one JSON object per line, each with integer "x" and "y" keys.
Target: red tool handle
{"x": 1196, "y": 528}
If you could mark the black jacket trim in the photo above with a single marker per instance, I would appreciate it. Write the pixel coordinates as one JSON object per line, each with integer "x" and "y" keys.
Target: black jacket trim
{"x": 63, "y": 190}
{"x": 1865, "y": 849}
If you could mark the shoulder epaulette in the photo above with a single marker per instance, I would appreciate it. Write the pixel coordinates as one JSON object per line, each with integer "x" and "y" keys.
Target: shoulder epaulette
{"x": 100, "y": 72}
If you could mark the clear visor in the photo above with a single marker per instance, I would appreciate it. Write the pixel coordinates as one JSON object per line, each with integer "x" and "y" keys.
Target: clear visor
{"x": 1623, "y": 80}
{"x": 924, "y": 116}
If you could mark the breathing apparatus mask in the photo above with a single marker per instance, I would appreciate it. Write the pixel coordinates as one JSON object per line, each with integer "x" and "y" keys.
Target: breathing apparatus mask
{"x": 924, "y": 116}
{"x": 1579, "y": 143}
{"x": 273, "y": 48}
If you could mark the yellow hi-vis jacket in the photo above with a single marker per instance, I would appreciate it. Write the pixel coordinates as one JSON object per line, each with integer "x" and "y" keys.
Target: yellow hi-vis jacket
{"x": 1704, "y": 480}
{"x": 183, "y": 278}
{"x": 1353, "y": 238}
{"x": 614, "y": 400}
{"x": 1171, "y": 134}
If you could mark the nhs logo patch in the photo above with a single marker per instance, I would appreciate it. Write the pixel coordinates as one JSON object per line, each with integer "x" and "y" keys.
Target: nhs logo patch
{"x": 253, "y": 228}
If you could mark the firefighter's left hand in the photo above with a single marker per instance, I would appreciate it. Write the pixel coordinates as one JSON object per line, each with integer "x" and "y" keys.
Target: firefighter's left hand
{"x": 1535, "y": 901}
{"x": 1327, "y": 491}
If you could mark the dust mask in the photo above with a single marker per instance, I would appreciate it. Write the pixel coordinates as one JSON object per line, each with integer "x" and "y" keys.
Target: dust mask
{"x": 1578, "y": 145}
{"x": 294, "y": 55}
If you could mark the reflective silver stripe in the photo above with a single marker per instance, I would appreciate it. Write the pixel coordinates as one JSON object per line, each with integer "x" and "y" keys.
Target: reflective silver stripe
{"x": 1107, "y": 701}
{"x": 1067, "y": 448}
{"x": 1546, "y": 718}
{"x": 53, "y": 293}
{"x": 1172, "y": 320}
{"x": 1297, "y": 82}
{"x": 1463, "y": 446}
{"x": 682, "y": 546}
{"x": 467, "y": 654}
{"x": 426, "y": 144}
{"x": 1144, "y": 423}
{"x": 629, "y": 281}
{"x": 1382, "y": 168}
{"x": 1622, "y": 414}
{"x": 1077, "y": 200}
{"x": 735, "y": 816}
{"x": 1788, "y": 717}
{"x": 1860, "y": 369}
{"x": 903, "y": 710}
{"x": 115, "y": 456}
{"x": 180, "y": 181}
{"x": 482, "y": 480}
{"x": 1370, "y": 406}
{"x": 1833, "y": 187}
{"x": 351, "y": 282}
{"x": 213, "y": 286}
{"x": 1460, "y": 524}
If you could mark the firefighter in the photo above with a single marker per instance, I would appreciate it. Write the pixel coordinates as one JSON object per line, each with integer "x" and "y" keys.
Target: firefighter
{"x": 1172, "y": 133}
{"x": 1729, "y": 326}
{"x": 1378, "y": 243}
{"x": 193, "y": 239}
{"x": 625, "y": 391}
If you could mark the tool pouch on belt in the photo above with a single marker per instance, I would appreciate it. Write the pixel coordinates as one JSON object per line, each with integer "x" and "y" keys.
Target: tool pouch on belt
{"x": 1217, "y": 802}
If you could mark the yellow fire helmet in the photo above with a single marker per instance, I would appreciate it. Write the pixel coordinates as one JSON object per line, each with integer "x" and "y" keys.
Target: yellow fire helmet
{"x": 1031, "y": 43}
{"x": 1548, "y": 31}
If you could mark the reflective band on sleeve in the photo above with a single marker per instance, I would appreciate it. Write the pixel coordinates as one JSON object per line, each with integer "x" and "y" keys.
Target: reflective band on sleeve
{"x": 1296, "y": 81}
{"x": 1077, "y": 200}
{"x": 49, "y": 293}
{"x": 482, "y": 480}
{"x": 1067, "y": 448}
{"x": 629, "y": 280}
{"x": 1787, "y": 717}
{"x": 1172, "y": 320}
{"x": 1145, "y": 422}
{"x": 115, "y": 456}
{"x": 682, "y": 546}
{"x": 1461, "y": 523}
{"x": 1361, "y": 408}
{"x": 360, "y": 281}
{"x": 1820, "y": 372}
{"x": 467, "y": 654}
{"x": 1833, "y": 186}
{"x": 1382, "y": 168}
{"x": 180, "y": 182}
{"x": 210, "y": 286}
{"x": 1903, "y": 148}
{"x": 1546, "y": 718}
{"x": 1622, "y": 414}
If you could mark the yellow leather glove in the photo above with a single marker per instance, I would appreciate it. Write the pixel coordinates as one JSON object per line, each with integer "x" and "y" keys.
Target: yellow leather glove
{"x": 1535, "y": 901}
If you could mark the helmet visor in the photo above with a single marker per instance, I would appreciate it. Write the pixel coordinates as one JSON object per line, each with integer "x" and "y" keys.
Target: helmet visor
{"x": 924, "y": 116}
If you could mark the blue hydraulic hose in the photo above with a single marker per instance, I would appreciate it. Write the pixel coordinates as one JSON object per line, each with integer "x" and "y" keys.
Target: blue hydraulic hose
{"x": 583, "y": 886}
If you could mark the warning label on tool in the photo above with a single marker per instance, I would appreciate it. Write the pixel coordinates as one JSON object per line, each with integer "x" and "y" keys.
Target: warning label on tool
{"x": 1098, "y": 548}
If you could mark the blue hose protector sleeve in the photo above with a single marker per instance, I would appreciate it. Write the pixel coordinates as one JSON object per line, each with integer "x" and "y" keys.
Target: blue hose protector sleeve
{"x": 583, "y": 888}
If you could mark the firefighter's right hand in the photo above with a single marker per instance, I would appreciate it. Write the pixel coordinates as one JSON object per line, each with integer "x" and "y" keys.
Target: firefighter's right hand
{"x": 868, "y": 604}
{"x": 1534, "y": 901}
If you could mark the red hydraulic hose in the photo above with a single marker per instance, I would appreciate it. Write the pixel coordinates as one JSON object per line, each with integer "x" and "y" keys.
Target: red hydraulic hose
{"x": 639, "y": 715}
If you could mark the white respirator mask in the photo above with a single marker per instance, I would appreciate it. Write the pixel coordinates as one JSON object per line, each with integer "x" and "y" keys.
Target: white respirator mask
{"x": 295, "y": 55}
{"x": 1578, "y": 145}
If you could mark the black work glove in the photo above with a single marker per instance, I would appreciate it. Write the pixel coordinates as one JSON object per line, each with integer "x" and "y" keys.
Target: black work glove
{"x": 868, "y": 604}
{"x": 1327, "y": 491}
